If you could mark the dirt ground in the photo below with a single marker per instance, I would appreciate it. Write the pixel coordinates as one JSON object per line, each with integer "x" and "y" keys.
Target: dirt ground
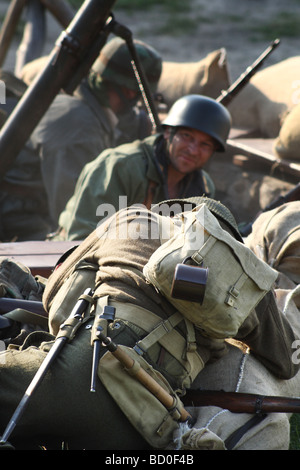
{"x": 231, "y": 24}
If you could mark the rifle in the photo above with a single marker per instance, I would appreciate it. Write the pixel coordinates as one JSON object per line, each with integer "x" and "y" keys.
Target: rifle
{"x": 22, "y": 311}
{"x": 292, "y": 195}
{"x": 237, "y": 402}
{"x": 7, "y": 304}
{"x": 226, "y": 96}
{"x": 140, "y": 76}
{"x": 90, "y": 26}
{"x": 233, "y": 401}
{"x": 65, "y": 333}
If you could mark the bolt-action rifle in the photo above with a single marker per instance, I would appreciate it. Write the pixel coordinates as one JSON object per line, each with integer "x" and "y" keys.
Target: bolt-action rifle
{"x": 21, "y": 311}
{"x": 7, "y": 304}
{"x": 233, "y": 401}
{"x": 226, "y": 96}
{"x": 237, "y": 402}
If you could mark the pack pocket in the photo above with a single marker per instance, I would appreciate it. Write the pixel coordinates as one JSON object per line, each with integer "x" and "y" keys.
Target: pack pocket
{"x": 145, "y": 412}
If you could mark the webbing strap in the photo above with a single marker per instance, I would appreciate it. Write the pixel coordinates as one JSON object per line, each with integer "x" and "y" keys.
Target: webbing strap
{"x": 236, "y": 436}
{"x": 199, "y": 255}
{"x": 234, "y": 291}
{"x": 164, "y": 327}
{"x": 161, "y": 331}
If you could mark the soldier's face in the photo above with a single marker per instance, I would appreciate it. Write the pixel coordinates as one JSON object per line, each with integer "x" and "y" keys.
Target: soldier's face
{"x": 189, "y": 149}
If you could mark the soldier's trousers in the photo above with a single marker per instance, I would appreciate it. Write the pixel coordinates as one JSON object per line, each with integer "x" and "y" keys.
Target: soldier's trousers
{"x": 63, "y": 409}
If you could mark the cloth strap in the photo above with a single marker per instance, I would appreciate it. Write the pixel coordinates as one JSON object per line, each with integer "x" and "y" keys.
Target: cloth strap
{"x": 161, "y": 331}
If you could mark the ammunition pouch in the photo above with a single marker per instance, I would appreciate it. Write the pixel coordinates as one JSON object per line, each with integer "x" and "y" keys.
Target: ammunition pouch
{"x": 145, "y": 412}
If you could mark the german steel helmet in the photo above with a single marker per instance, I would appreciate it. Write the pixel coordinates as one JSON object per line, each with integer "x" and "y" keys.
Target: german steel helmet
{"x": 201, "y": 113}
{"x": 114, "y": 63}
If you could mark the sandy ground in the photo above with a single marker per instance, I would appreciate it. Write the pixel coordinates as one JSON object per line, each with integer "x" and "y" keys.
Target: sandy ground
{"x": 229, "y": 24}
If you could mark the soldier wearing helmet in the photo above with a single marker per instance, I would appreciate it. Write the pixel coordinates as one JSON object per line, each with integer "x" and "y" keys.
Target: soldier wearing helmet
{"x": 102, "y": 113}
{"x": 113, "y": 71}
{"x": 159, "y": 167}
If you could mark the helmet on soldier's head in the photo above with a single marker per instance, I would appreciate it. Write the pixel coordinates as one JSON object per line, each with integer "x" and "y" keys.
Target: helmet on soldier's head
{"x": 201, "y": 113}
{"x": 114, "y": 64}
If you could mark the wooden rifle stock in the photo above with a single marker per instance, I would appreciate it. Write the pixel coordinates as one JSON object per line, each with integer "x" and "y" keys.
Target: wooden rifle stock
{"x": 241, "y": 402}
{"x": 8, "y": 304}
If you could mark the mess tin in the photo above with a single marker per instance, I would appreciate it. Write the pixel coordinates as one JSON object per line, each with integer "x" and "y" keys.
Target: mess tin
{"x": 189, "y": 282}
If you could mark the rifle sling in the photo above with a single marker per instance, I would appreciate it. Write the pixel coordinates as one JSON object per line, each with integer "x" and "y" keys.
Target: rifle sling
{"x": 236, "y": 436}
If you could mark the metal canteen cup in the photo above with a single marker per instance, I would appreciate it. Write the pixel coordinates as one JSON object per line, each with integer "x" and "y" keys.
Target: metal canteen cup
{"x": 189, "y": 283}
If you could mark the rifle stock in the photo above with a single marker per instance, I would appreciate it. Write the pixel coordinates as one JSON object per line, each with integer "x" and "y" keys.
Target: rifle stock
{"x": 8, "y": 304}
{"x": 241, "y": 402}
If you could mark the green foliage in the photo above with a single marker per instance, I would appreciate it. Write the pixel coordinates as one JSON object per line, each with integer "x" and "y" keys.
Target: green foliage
{"x": 130, "y": 5}
{"x": 284, "y": 24}
{"x": 295, "y": 432}
{"x": 169, "y": 5}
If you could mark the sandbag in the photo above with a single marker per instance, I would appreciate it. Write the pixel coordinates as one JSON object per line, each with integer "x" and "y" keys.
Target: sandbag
{"x": 209, "y": 76}
{"x": 271, "y": 93}
{"x": 287, "y": 144}
{"x": 275, "y": 237}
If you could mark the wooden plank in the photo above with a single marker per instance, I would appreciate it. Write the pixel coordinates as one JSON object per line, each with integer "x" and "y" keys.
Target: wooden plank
{"x": 260, "y": 150}
{"x": 39, "y": 256}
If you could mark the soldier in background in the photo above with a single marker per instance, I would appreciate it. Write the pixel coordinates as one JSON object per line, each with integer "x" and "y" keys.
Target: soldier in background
{"x": 162, "y": 166}
{"x": 102, "y": 113}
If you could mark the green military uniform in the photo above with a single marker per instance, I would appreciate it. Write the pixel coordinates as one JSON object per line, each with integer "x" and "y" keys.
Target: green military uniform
{"x": 63, "y": 407}
{"x": 73, "y": 131}
{"x": 136, "y": 173}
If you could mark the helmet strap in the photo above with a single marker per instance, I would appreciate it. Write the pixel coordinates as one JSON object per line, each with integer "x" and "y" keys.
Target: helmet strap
{"x": 127, "y": 103}
{"x": 99, "y": 87}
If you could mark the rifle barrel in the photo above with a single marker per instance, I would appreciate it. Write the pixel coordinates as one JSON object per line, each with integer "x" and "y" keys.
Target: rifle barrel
{"x": 241, "y": 402}
{"x": 8, "y": 304}
{"x": 226, "y": 96}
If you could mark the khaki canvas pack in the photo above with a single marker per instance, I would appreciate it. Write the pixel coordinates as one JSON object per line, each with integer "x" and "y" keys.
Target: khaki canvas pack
{"x": 237, "y": 280}
{"x": 145, "y": 412}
